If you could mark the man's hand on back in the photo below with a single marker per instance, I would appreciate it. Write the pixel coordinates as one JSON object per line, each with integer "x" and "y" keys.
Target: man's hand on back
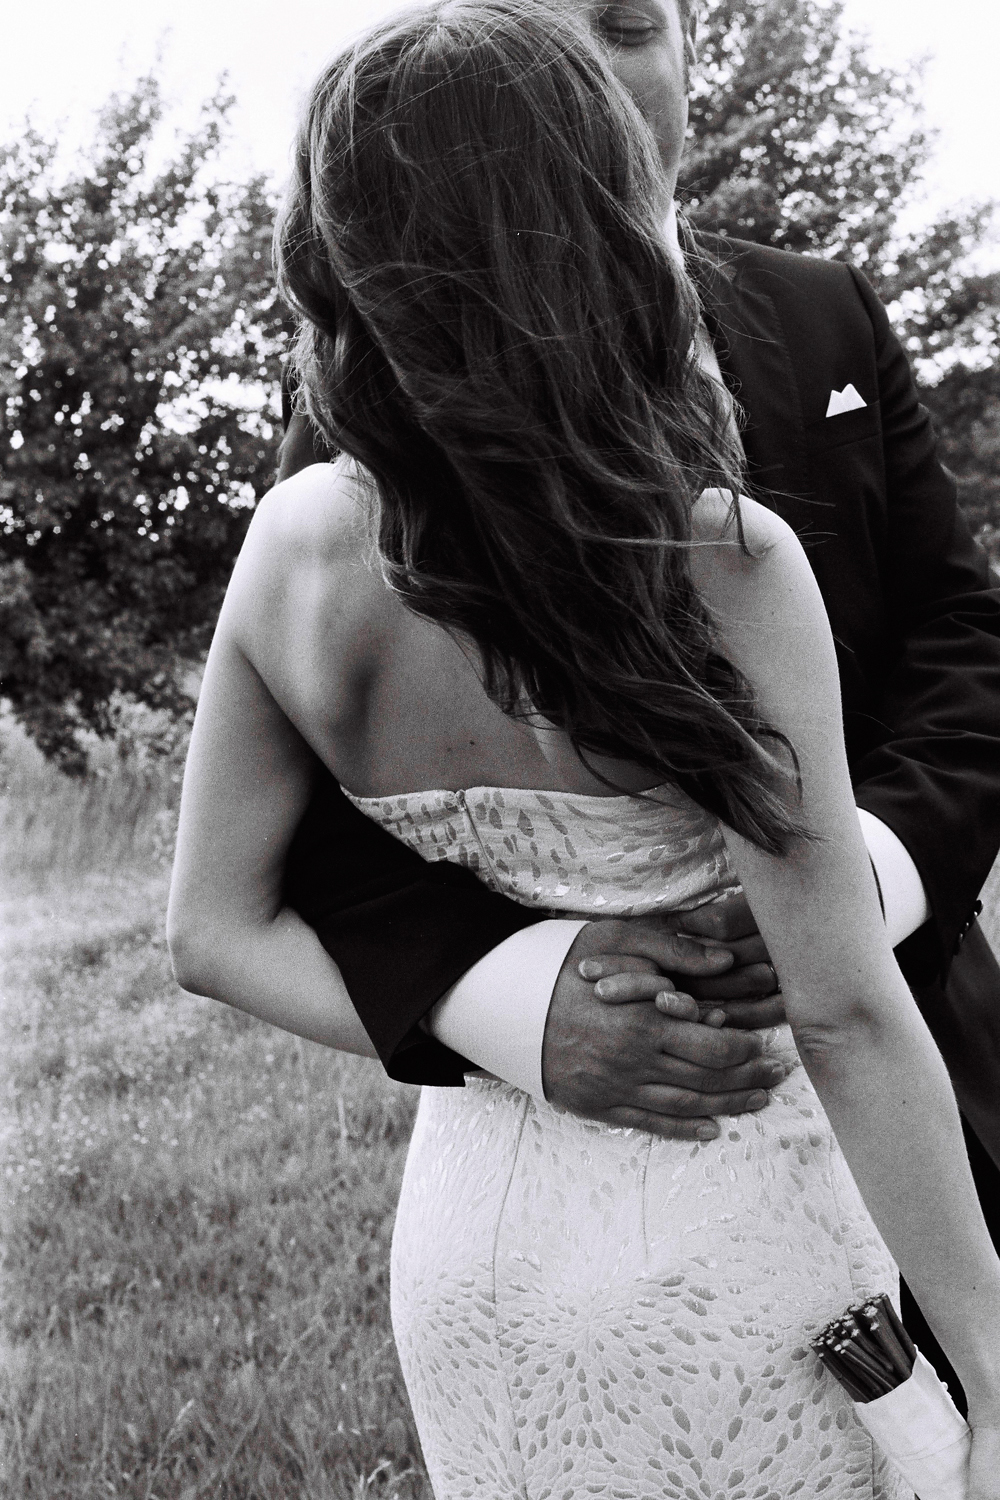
{"x": 749, "y": 991}
{"x": 609, "y": 1054}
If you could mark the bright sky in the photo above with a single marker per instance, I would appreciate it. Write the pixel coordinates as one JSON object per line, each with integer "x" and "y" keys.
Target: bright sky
{"x": 61, "y": 58}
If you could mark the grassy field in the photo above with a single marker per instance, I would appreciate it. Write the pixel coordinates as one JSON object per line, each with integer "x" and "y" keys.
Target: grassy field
{"x": 197, "y": 1208}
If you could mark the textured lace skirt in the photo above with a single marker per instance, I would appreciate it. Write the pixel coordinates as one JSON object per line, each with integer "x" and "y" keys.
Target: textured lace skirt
{"x": 587, "y": 1311}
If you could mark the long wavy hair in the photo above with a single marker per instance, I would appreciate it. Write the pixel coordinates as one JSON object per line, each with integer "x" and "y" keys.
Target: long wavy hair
{"x": 492, "y": 327}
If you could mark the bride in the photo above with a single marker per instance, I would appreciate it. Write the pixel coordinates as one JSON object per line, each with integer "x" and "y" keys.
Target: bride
{"x": 524, "y": 623}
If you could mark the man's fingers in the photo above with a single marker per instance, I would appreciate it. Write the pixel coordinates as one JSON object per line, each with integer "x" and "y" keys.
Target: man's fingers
{"x": 750, "y": 982}
{"x": 686, "y": 1103}
{"x": 725, "y": 920}
{"x": 748, "y": 950}
{"x": 751, "y": 1014}
{"x": 600, "y": 1059}
{"x": 706, "y": 1046}
{"x": 676, "y": 1029}
{"x": 625, "y": 988}
{"x": 672, "y": 1003}
{"x": 709, "y": 1085}
{"x": 667, "y": 1127}
{"x": 619, "y": 963}
{"x": 677, "y": 954}
{"x": 681, "y": 1127}
{"x": 668, "y": 951}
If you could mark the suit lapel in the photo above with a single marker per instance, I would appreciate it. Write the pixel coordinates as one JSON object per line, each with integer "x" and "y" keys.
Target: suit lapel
{"x": 753, "y": 356}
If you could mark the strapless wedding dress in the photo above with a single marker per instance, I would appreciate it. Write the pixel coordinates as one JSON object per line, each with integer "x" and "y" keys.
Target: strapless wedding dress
{"x": 588, "y": 1311}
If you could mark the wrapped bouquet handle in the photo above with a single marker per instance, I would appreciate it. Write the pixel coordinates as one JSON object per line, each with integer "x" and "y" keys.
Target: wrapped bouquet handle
{"x": 920, "y": 1430}
{"x": 899, "y": 1399}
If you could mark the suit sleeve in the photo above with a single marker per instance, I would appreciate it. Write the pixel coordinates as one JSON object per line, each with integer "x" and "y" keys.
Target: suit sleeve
{"x": 936, "y": 779}
{"x": 401, "y": 931}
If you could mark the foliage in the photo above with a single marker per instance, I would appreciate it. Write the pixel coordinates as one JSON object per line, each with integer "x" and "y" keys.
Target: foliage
{"x": 139, "y": 344}
{"x": 196, "y": 1207}
{"x": 799, "y": 141}
{"x": 966, "y": 407}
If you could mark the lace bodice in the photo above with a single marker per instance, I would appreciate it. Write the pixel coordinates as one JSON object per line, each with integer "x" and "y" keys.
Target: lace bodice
{"x": 612, "y": 856}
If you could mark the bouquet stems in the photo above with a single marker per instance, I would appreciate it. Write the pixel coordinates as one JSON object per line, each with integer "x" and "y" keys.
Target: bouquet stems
{"x": 898, "y": 1398}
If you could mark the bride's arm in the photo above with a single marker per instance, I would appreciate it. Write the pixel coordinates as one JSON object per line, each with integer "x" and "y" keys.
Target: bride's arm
{"x": 246, "y": 785}
{"x": 862, "y": 1040}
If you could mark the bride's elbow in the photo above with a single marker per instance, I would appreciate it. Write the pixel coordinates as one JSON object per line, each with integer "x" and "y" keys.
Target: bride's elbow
{"x": 193, "y": 952}
{"x": 189, "y": 967}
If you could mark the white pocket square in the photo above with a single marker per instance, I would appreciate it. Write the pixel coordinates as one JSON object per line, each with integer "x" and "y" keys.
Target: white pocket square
{"x": 846, "y": 400}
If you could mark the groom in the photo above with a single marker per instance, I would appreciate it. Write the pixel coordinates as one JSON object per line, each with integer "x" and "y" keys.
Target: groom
{"x": 837, "y": 443}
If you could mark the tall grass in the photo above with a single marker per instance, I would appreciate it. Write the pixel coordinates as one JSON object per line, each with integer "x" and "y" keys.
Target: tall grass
{"x": 56, "y": 828}
{"x": 196, "y": 1208}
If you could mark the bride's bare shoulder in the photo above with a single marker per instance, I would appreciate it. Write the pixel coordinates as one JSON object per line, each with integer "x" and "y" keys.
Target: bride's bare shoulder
{"x": 714, "y": 524}
{"x": 307, "y": 565}
{"x": 318, "y": 516}
{"x": 727, "y": 568}
{"x": 313, "y": 532}
{"x": 766, "y": 604}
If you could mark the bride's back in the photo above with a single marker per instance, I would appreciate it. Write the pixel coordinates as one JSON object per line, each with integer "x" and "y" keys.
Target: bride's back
{"x": 391, "y": 701}
{"x": 388, "y": 700}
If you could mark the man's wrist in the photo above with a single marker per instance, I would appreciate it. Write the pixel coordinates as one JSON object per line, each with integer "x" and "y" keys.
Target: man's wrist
{"x": 496, "y": 1013}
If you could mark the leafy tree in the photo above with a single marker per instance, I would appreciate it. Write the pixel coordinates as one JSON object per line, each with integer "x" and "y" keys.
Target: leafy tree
{"x": 140, "y": 339}
{"x": 799, "y": 141}
{"x": 966, "y": 407}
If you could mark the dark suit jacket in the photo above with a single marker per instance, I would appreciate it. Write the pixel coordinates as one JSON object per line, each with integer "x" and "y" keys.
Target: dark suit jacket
{"x": 914, "y": 615}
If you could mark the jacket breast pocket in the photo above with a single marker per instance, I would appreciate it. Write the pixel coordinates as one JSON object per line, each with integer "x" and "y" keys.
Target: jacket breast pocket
{"x": 848, "y": 427}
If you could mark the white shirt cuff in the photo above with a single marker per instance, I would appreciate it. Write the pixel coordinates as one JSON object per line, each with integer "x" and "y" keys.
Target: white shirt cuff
{"x": 496, "y": 1013}
{"x": 903, "y": 894}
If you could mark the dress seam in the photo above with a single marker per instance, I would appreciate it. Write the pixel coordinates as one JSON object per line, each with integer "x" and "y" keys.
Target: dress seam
{"x": 501, "y": 1362}
{"x": 487, "y": 864}
{"x": 642, "y": 1201}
